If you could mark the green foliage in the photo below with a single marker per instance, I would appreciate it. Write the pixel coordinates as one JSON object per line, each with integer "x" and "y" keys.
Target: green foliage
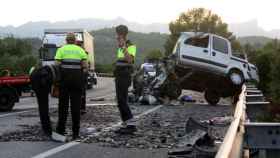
{"x": 104, "y": 68}
{"x": 14, "y": 46}
{"x": 106, "y": 48}
{"x": 275, "y": 80}
{"x": 256, "y": 42}
{"x": 198, "y": 20}
{"x": 268, "y": 63}
{"x": 154, "y": 55}
{"x": 263, "y": 63}
{"x": 16, "y": 55}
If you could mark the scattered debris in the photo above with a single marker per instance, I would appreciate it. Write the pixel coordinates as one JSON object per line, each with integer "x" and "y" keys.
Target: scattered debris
{"x": 167, "y": 128}
{"x": 156, "y": 82}
{"x": 96, "y": 119}
{"x": 58, "y": 137}
{"x": 219, "y": 121}
{"x": 187, "y": 98}
{"x": 191, "y": 138}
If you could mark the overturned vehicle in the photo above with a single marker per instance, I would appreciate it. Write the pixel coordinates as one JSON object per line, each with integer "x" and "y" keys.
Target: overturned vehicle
{"x": 201, "y": 62}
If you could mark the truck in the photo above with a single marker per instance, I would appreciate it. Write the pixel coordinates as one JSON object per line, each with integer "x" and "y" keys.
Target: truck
{"x": 11, "y": 88}
{"x": 202, "y": 62}
{"x": 55, "y": 38}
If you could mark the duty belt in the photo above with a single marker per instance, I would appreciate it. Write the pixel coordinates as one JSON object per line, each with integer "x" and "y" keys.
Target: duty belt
{"x": 123, "y": 63}
{"x": 71, "y": 64}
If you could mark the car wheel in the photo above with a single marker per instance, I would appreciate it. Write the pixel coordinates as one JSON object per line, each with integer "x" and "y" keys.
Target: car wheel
{"x": 211, "y": 97}
{"x": 236, "y": 78}
{"x": 7, "y": 100}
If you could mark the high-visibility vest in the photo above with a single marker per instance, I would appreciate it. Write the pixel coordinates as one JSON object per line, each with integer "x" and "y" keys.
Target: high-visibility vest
{"x": 130, "y": 49}
{"x": 70, "y": 51}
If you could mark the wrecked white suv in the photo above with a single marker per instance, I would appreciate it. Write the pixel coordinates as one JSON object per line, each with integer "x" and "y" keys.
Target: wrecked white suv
{"x": 201, "y": 62}
{"x": 216, "y": 71}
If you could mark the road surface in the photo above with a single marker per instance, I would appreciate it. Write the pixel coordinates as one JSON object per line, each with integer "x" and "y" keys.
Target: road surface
{"x": 16, "y": 142}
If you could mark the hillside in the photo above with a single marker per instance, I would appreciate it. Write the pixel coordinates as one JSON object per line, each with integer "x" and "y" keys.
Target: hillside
{"x": 105, "y": 44}
{"x": 255, "y": 41}
{"x": 36, "y": 29}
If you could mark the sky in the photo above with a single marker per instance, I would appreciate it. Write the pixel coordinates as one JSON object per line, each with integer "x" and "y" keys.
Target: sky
{"x": 17, "y": 12}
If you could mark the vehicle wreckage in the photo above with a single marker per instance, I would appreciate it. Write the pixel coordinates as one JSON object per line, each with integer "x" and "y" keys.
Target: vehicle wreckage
{"x": 201, "y": 62}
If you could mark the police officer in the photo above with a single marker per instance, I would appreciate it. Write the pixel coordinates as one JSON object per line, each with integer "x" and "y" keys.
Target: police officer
{"x": 123, "y": 69}
{"x": 72, "y": 61}
{"x": 41, "y": 80}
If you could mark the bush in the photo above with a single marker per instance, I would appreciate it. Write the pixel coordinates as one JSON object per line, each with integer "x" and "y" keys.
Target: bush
{"x": 16, "y": 55}
{"x": 263, "y": 62}
{"x": 104, "y": 68}
{"x": 154, "y": 54}
{"x": 274, "y": 85}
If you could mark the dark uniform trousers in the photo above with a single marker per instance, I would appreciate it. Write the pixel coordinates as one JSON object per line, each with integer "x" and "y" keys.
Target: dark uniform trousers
{"x": 71, "y": 88}
{"x": 41, "y": 81}
{"x": 83, "y": 105}
{"x": 122, "y": 82}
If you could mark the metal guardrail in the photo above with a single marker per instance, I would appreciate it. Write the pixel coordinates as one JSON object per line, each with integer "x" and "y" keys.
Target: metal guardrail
{"x": 233, "y": 142}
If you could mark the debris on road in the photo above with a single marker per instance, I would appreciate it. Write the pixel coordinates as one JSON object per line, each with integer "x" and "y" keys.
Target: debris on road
{"x": 180, "y": 129}
{"x": 187, "y": 98}
{"x": 172, "y": 127}
{"x": 97, "y": 118}
{"x": 219, "y": 121}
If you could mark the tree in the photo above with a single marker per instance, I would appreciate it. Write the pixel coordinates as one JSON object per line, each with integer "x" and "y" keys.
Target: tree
{"x": 198, "y": 20}
{"x": 16, "y": 55}
{"x": 154, "y": 54}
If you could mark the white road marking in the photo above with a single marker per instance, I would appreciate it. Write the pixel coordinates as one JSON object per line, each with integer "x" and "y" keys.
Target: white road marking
{"x": 103, "y": 104}
{"x": 56, "y": 150}
{"x": 73, "y": 143}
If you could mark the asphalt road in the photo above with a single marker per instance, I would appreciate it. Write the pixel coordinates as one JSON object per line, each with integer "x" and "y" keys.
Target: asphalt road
{"x": 14, "y": 121}
{"x": 11, "y": 121}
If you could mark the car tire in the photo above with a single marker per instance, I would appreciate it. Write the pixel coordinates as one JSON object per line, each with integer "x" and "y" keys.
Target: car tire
{"x": 236, "y": 78}
{"x": 212, "y": 97}
{"x": 7, "y": 99}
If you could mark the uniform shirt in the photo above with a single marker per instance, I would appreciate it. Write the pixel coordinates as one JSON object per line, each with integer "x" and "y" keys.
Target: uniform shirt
{"x": 130, "y": 49}
{"x": 70, "y": 51}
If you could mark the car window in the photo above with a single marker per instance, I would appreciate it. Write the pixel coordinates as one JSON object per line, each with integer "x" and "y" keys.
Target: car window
{"x": 198, "y": 41}
{"x": 220, "y": 45}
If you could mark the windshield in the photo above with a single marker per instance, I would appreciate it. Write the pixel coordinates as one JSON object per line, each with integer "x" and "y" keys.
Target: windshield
{"x": 59, "y": 38}
{"x": 176, "y": 48}
{"x": 48, "y": 54}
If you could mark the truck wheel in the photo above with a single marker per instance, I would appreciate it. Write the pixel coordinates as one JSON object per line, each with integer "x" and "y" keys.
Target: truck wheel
{"x": 211, "y": 97}
{"x": 236, "y": 77}
{"x": 7, "y": 99}
{"x": 89, "y": 86}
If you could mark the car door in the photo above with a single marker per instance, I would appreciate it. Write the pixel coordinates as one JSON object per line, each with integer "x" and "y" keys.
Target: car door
{"x": 194, "y": 51}
{"x": 219, "y": 55}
